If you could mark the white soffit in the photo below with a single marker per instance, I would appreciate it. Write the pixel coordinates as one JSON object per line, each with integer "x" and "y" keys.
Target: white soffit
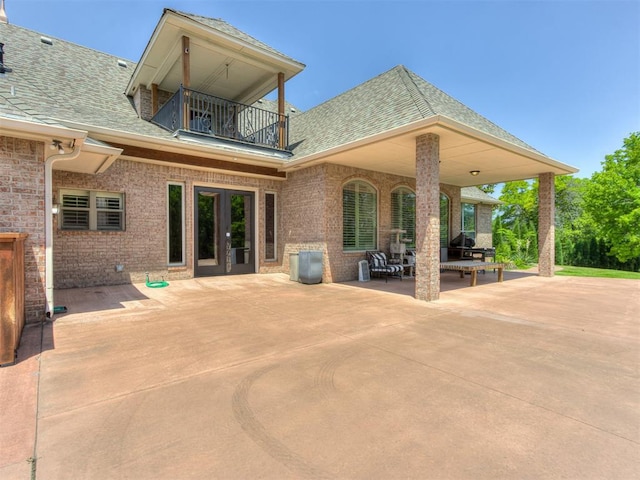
{"x": 460, "y": 153}
{"x": 220, "y": 64}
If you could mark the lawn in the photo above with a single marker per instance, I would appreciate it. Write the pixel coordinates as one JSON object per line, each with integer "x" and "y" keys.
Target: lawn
{"x": 569, "y": 271}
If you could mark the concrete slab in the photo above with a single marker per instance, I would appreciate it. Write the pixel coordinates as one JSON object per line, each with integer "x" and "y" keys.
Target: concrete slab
{"x": 259, "y": 377}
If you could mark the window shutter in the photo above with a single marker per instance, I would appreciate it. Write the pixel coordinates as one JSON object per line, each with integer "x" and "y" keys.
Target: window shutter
{"x": 90, "y": 210}
{"x": 360, "y": 215}
{"x": 403, "y": 213}
{"x": 109, "y": 211}
{"x": 75, "y": 211}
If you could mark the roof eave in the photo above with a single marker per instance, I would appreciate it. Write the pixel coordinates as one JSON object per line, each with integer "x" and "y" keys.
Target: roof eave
{"x": 290, "y": 66}
{"x": 186, "y": 147}
{"x": 421, "y": 127}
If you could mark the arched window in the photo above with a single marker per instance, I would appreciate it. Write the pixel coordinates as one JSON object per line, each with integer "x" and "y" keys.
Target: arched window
{"x": 359, "y": 216}
{"x": 444, "y": 220}
{"x": 403, "y": 213}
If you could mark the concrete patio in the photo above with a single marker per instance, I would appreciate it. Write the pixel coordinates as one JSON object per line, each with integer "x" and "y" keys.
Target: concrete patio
{"x": 259, "y": 377}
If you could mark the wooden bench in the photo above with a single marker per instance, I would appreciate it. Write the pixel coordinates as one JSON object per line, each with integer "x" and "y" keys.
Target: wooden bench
{"x": 473, "y": 267}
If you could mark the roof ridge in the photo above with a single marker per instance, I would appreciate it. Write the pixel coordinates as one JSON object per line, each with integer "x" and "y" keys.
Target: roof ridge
{"x": 421, "y": 102}
{"x": 347, "y": 92}
{"x": 494, "y": 129}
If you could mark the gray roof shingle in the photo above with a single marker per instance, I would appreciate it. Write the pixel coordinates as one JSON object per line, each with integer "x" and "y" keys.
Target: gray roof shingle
{"x": 224, "y": 27}
{"x": 65, "y": 82}
{"x": 393, "y": 99}
{"x": 476, "y": 195}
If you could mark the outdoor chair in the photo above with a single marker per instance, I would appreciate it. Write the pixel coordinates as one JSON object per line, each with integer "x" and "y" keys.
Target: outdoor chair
{"x": 378, "y": 265}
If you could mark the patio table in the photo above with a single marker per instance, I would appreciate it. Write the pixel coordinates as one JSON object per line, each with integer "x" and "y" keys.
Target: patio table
{"x": 473, "y": 267}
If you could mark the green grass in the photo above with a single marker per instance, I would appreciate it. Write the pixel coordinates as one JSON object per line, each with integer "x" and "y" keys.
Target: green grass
{"x": 569, "y": 271}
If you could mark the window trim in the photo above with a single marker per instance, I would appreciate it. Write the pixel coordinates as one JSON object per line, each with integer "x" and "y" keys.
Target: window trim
{"x": 448, "y": 225}
{"x": 183, "y": 261}
{"x": 275, "y": 227}
{"x": 360, "y": 248}
{"x": 409, "y": 234}
{"x": 475, "y": 219}
{"x": 92, "y": 209}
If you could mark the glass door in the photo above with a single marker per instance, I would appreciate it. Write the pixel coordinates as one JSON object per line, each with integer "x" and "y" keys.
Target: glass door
{"x": 223, "y": 237}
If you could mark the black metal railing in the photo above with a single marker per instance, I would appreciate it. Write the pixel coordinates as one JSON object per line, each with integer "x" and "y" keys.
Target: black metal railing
{"x": 199, "y": 112}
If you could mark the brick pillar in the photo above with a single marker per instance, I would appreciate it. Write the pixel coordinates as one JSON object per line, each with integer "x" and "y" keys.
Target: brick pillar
{"x": 428, "y": 217}
{"x": 546, "y": 224}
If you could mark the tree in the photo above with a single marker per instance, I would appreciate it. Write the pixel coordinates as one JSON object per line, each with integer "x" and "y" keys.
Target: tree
{"x": 612, "y": 200}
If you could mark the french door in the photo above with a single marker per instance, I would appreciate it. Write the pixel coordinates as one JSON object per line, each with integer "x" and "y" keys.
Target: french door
{"x": 224, "y": 238}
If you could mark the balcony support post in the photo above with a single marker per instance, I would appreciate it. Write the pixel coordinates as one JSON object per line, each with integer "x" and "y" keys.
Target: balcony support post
{"x": 281, "y": 115}
{"x": 186, "y": 81}
{"x": 154, "y": 99}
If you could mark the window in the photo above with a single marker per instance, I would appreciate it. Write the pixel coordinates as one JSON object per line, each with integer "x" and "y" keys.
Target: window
{"x": 270, "y": 226}
{"x": 469, "y": 220}
{"x": 444, "y": 220}
{"x": 359, "y": 216}
{"x": 403, "y": 213}
{"x": 175, "y": 223}
{"x": 91, "y": 210}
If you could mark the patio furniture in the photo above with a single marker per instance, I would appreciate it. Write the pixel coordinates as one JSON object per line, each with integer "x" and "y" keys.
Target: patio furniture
{"x": 471, "y": 253}
{"x": 473, "y": 267}
{"x": 378, "y": 265}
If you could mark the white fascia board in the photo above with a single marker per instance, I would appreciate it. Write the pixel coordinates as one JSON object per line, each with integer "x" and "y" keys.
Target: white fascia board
{"x": 39, "y": 131}
{"x": 464, "y": 129}
{"x": 192, "y": 27}
{"x": 181, "y": 146}
{"x": 420, "y": 127}
{"x": 310, "y": 159}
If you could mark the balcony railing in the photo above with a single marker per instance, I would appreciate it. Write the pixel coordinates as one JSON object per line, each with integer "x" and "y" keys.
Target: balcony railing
{"x": 198, "y": 112}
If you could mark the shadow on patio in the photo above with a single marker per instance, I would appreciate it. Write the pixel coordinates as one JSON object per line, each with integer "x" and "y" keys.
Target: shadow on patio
{"x": 449, "y": 281}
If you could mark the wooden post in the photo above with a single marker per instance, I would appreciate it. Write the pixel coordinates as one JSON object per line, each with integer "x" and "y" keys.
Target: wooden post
{"x": 186, "y": 81}
{"x": 281, "y": 115}
{"x": 154, "y": 99}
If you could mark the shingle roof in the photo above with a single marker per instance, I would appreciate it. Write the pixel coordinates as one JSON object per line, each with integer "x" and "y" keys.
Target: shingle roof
{"x": 393, "y": 99}
{"x": 67, "y": 82}
{"x": 224, "y": 27}
{"x": 476, "y": 195}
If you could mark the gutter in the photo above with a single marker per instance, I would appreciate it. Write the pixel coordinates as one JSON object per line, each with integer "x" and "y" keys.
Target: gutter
{"x": 24, "y": 128}
{"x": 48, "y": 218}
{"x": 423, "y": 126}
{"x": 109, "y": 135}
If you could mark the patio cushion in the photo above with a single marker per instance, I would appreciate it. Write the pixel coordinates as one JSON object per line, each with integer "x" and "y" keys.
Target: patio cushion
{"x": 378, "y": 264}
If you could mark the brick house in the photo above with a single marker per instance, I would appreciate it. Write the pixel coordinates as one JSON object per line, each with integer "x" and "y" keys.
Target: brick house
{"x": 179, "y": 166}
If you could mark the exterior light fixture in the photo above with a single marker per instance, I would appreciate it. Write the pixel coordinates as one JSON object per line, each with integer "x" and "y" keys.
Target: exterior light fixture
{"x": 474, "y": 172}
{"x": 57, "y": 145}
{"x": 55, "y": 209}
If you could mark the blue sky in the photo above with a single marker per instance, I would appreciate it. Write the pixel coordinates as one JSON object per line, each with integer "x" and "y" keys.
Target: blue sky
{"x": 564, "y": 76}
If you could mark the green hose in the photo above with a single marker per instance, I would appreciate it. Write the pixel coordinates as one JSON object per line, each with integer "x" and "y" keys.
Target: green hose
{"x": 159, "y": 284}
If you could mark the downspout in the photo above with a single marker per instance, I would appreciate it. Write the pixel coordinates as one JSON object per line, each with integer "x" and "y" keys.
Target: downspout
{"x": 48, "y": 219}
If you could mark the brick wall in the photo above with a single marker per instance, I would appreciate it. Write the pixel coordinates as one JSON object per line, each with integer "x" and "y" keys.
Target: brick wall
{"x": 313, "y": 220}
{"x": 142, "y": 101}
{"x": 89, "y": 258}
{"x": 484, "y": 236}
{"x": 22, "y": 210}
{"x": 309, "y": 206}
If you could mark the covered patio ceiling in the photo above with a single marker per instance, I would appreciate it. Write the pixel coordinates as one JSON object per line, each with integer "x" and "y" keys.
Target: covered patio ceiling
{"x": 462, "y": 149}
{"x": 224, "y": 62}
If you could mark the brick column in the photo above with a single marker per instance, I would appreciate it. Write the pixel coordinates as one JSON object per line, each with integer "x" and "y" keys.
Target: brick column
{"x": 546, "y": 224}
{"x": 428, "y": 217}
